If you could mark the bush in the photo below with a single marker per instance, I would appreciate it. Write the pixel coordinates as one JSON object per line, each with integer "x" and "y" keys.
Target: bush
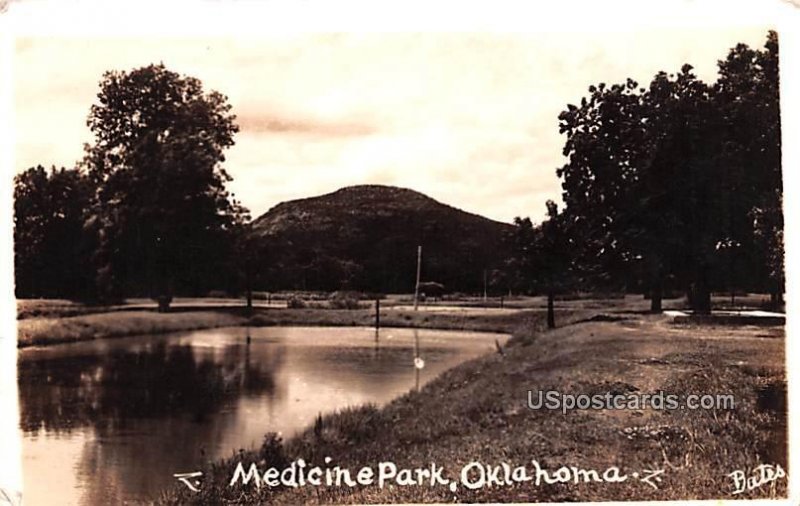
{"x": 295, "y": 302}
{"x": 272, "y": 451}
{"x": 345, "y": 300}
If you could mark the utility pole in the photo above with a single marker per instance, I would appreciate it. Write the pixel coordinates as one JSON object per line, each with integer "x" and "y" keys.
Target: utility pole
{"x": 416, "y": 287}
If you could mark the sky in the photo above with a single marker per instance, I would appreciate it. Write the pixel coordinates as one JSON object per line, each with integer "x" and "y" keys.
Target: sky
{"x": 470, "y": 119}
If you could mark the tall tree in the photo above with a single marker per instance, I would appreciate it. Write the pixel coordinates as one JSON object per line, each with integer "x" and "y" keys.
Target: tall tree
{"x": 639, "y": 178}
{"x": 605, "y": 146}
{"x": 747, "y": 96}
{"x": 50, "y": 242}
{"x": 164, "y": 217}
{"x": 671, "y": 177}
{"x": 676, "y": 193}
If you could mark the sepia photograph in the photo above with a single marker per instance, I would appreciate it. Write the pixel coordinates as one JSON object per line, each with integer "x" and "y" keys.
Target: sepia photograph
{"x": 335, "y": 266}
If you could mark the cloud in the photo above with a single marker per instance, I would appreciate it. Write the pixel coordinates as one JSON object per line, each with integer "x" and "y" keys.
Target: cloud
{"x": 295, "y": 125}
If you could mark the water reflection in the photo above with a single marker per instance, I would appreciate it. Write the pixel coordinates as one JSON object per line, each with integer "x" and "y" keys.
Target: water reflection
{"x": 110, "y": 421}
{"x": 105, "y": 391}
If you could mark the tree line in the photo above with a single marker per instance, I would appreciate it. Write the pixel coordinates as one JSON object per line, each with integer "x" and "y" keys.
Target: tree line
{"x": 673, "y": 187}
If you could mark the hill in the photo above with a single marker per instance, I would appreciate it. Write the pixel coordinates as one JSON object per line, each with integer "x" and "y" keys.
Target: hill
{"x": 365, "y": 237}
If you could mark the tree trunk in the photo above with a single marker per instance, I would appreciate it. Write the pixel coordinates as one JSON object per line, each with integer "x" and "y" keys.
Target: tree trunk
{"x": 700, "y": 300}
{"x": 551, "y": 314}
{"x": 163, "y": 303}
{"x": 248, "y": 285}
{"x": 656, "y": 289}
{"x": 656, "y": 293}
{"x": 776, "y": 297}
{"x": 655, "y": 300}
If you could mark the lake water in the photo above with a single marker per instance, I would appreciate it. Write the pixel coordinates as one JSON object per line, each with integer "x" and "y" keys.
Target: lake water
{"x": 111, "y": 421}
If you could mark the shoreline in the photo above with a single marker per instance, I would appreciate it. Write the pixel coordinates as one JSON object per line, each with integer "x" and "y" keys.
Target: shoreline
{"x": 122, "y": 323}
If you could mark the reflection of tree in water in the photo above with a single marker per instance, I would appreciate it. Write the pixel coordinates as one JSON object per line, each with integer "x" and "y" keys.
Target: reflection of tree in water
{"x": 107, "y": 390}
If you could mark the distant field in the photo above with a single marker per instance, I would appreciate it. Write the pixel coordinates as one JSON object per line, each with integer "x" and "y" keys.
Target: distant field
{"x": 53, "y": 321}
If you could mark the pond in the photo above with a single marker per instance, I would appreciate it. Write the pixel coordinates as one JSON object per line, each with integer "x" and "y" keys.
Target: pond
{"x": 111, "y": 421}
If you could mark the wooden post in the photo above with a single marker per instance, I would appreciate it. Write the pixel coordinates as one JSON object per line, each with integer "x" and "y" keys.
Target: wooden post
{"x": 501, "y": 302}
{"x": 377, "y": 314}
{"x": 416, "y": 287}
{"x": 551, "y": 313}
{"x": 484, "y": 287}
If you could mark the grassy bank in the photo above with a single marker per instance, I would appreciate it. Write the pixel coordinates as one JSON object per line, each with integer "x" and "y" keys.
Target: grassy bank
{"x": 509, "y": 323}
{"x": 43, "y": 331}
{"x": 120, "y": 323}
{"x": 477, "y": 411}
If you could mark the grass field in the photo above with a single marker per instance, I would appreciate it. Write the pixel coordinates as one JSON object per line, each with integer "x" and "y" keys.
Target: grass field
{"x": 477, "y": 411}
{"x": 43, "y": 322}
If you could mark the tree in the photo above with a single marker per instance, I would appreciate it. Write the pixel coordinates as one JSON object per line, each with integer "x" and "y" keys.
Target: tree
{"x": 747, "y": 96}
{"x": 768, "y": 224}
{"x": 659, "y": 178}
{"x": 244, "y": 261}
{"x": 543, "y": 256}
{"x": 521, "y": 262}
{"x": 676, "y": 199}
{"x": 500, "y": 281}
{"x": 607, "y": 143}
{"x": 164, "y": 218}
{"x": 51, "y": 243}
{"x": 553, "y": 257}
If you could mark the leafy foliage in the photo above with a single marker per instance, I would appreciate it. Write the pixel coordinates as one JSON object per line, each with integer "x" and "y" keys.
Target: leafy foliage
{"x": 163, "y": 216}
{"x": 666, "y": 180}
{"x": 51, "y": 246}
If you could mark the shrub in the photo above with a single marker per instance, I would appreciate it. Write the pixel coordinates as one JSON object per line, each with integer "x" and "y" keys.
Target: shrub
{"x": 295, "y": 302}
{"x": 272, "y": 451}
{"x": 345, "y": 300}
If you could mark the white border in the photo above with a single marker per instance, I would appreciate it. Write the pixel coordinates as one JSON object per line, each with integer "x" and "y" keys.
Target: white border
{"x": 253, "y": 19}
